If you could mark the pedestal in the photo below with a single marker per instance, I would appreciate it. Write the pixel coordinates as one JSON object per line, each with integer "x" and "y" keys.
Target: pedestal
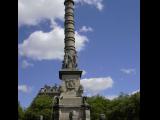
{"x": 70, "y": 104}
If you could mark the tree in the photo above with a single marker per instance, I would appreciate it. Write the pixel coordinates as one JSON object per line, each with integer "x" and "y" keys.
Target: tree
{"x": 125, "y": 107}
{"x": 20, "y": 112}
{"x": 98, "y": 106}
{"x": 42, "y": 105}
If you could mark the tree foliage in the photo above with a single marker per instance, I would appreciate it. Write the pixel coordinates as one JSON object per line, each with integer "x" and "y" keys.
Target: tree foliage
{"x": 42, "y": 105}
{"x": 20, "y": 112}
{"x": 124, "y": 107}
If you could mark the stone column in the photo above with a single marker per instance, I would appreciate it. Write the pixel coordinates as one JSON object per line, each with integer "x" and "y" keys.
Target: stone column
{"x": 69, "y": 49}
{"x": 70, "y": 99}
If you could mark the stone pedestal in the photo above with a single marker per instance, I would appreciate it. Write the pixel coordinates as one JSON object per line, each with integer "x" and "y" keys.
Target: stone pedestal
{"x": 70, "y": 104}
{"x": 70, "y": 86}
{"x": 74, "y": 106}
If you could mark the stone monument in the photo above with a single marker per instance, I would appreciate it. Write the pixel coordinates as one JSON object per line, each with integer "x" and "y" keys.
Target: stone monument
{"x": 70, "y": 104}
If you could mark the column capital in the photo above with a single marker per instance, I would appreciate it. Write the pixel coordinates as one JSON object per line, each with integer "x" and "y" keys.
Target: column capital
{"x": 68, "y": 1}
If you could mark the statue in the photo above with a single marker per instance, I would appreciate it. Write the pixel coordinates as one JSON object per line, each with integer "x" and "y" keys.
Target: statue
{"x": 56, "y": 100}
{"x": 80, "y": 90}
{"x": 69, "y": 60}
{"x": 71, "y": 116}
{"x": 84, "y": 100}
{"x": 65, "y": 61}
{"x": 75, "y": 60}
{"x": 61, "y": 89}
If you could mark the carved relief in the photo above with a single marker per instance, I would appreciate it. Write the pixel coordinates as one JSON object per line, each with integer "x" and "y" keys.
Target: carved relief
{"x": 69, "y": 60}
{"x": 70, "y": 84}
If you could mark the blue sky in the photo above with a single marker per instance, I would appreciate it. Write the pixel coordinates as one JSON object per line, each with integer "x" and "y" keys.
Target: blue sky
{"x": 108, "y": 43}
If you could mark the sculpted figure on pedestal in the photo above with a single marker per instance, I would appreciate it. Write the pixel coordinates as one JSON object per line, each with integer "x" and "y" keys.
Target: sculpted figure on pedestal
{"x": 80, "y": 90}
{"x": 69, "y": 60}
{"x": 70, "y": 115}
{"x": 61, "y": 89}
{"x": 56, "y": 100}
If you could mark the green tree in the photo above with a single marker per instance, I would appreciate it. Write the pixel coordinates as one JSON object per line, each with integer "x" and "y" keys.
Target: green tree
{"x": 42, "y": 105}
{"x": 125, "y": 107}
{"x": 98, "y": 106}
{"x": 20, "y": 112}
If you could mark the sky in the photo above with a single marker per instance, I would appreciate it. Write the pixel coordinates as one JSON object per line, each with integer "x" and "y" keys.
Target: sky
{"x": 107, "y": 40}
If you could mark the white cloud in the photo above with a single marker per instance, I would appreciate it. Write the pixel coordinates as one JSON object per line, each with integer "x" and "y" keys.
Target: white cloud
{"x": 133, "y": 92}
{"x": 32, "y": 12}
{"x": 24, "y": 88}
{"x": 26, "y": 64}
{"x": 111, "y": 97}
{"x": 97, "y": 3}
{"x": 96, "y": 85}
{"x": 85, "y": 29}
{"x": 48, "y": 45}
{"x": 84, "y": 72}
{"x": 128, "y": 71}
